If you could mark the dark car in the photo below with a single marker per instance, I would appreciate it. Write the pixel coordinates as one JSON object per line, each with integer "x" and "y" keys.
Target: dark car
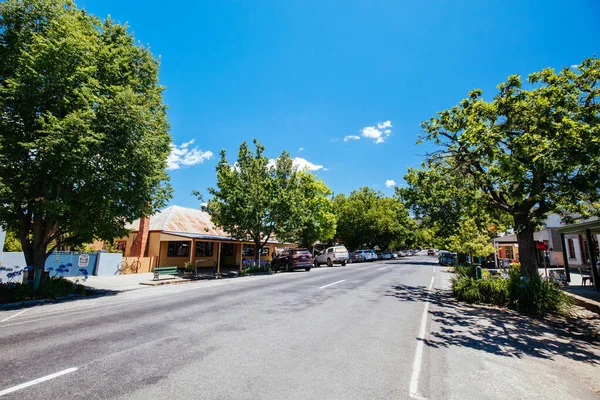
{"x": 293, "y": 259}
{"x": 446, "y": 258}
{"x": 431, "y": 252}
{"x": 357, "y": 256}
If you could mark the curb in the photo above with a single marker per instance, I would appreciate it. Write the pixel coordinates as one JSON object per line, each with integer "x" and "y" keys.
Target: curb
{"x": 584, "y": 302}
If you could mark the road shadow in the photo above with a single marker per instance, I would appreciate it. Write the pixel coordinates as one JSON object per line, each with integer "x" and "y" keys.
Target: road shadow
{"x": 504, "y": 332}
{"x": 401, "y": 262}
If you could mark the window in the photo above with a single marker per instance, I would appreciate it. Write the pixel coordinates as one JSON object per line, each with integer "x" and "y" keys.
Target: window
{"x": 178, "y": 249}
{"x": 248, "y": 250}
{"x": 227, "y": 249}
{"x": 304, "y": 252}
{"x": 330, "y": 250}
{"x": 204, "y": 249}
{"x": 509, "y": 252}
{"x": 571, "y": 248}
{"x": 264, "y": 252}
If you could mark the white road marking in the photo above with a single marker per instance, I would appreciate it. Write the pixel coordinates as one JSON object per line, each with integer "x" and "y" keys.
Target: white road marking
{"x": 416, "y": 370}
{"x": 36, "y": 381}
{"x": 331, "y": 284}
{"x": 434, "y": 270}
{"x": 15, "y": 315}
{"x": 381, "y": 268}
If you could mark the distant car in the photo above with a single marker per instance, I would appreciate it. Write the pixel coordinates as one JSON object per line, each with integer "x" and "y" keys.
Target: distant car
{"x": 431, "y": 252}
{"x": 379, "y": 255}
{"x": 357, "y": 256}
{"x": 293, "y": 259}
{"x": 446, "y": 258}
{"x": 332, "y": 255}
{"x": 369, "y": 255}
{"x": 387, "y": 255}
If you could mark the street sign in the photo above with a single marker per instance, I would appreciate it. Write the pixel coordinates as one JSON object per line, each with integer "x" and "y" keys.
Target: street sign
{"x": 541, "y": 245}
{"x": 83, "y": 261}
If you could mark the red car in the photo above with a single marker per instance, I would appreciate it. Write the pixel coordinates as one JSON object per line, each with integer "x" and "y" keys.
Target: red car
{"x": 293, "y": 259}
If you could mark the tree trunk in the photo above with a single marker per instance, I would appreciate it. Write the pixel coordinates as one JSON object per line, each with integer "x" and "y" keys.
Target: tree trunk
{"x": 257, "y": 253}
{"x": 527, "y": 250}
{"x": 35, "y": 258}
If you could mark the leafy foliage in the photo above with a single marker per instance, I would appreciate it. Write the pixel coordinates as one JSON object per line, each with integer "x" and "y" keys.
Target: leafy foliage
{"x": 316, "y": 217}
{"x": 368, "y": 218}
{"x": 12, "y": 242}
{"x": 83, "y": 128}
{"x": 527, "y": 294}
{"x": 470, "y": 239}
{"x": 254, "y": 200}
{"x": 51, "y": 288}
{"x": 528, "y": 152}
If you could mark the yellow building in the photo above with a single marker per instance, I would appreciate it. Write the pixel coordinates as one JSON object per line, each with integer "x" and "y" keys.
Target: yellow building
{"x": 176, "y": 235}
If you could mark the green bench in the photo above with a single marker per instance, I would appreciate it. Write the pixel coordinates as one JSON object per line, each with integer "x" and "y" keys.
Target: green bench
{"x": 165, "y": 271}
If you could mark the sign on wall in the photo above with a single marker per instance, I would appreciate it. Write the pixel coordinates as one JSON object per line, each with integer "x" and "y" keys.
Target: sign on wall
{"x": 83, "y": 261}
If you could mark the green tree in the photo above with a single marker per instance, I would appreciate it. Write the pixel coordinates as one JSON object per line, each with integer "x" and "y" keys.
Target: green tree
{"x": 368, "y": 218}
{"x": 441, "y": 200}
{"x": 83, "y": 128}
{"x": 12, "y": 242}
{"x": 471, "y": 240}
{"x": 317, "y": 219}
{"x": 255, "y": 199}
{"x": 530, "y": 151}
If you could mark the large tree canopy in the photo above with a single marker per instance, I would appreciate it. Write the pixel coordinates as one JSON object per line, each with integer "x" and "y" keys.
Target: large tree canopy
{"x": 317, "y": 219}
{"x": 441, "y": 201}
{"x": 368, "y": 218}
{"x": 83, "y": 128}
{"x": 530, "y": 151}
{"x": 254, "y": 198}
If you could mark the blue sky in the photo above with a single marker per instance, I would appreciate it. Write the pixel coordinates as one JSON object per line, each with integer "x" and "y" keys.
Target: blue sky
{"x": 303, "y": 75}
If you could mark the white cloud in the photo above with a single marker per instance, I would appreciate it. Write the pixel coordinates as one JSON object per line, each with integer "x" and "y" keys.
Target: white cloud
{"x": 351, "y": 137}
{"x": 184, "y": 156}
{"x": 379, "y": 133}
{"x": 574, "y": 66}
{"x": 301, "y": 148}
{"x": 334, "y": 139}
{"x": 383, "y": 125}
{"x": 300, "y": 163}
{"x": 390, "y": 182}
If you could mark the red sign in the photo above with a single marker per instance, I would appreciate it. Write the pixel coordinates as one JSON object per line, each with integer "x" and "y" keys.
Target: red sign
{"x": 541, "y": 245}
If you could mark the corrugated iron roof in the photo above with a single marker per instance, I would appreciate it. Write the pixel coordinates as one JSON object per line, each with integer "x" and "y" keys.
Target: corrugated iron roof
{"x": 183, "y": 221}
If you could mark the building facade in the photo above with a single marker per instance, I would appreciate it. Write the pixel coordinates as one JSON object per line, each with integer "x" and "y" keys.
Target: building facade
{"x": 177, "y": 235}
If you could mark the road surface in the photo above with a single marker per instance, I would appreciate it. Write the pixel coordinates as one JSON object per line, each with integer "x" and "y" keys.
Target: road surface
{"x": 383, "y": 330}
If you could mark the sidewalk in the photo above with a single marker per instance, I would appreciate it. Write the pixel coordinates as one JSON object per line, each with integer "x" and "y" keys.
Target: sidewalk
{"x": 119, "y": 283}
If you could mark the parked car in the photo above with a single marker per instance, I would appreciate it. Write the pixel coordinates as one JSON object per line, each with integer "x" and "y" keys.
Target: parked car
{"x": 369, "y": 255}
{"x": 332, "y": 255}
{"x": 446, "y": 258}
{"x": 387, "y": 255}
{"x": 293, "y": 259}
{"x": 431, "y": 252}
{"x": 357, "y": 256}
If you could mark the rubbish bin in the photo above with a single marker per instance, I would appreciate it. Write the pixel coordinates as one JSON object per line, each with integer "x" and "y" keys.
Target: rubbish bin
{"x": 479, "y": 272}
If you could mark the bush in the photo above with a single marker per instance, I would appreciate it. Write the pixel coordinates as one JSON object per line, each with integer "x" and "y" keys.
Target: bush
{"x": 536, "y": 296}
{"x": 480, "y": 291}
{"x": 51, "y": 288}
{"x": 530, "y": 295}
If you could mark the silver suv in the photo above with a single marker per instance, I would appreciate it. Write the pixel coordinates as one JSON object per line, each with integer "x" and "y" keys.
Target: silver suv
{"x": 332, "y": 255}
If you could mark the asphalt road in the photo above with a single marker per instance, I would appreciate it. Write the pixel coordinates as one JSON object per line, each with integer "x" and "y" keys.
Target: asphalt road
{"x": 365, "y": 331}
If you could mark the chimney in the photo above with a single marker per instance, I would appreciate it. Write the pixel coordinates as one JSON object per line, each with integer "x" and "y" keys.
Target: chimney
{"x": 138, "y": 249}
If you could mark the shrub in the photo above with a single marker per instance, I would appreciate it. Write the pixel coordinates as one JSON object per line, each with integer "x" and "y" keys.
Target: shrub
{"x": 480, "y": 291}
{"x": 527, "y": 294}
{"x": 536, "y": 296}
{"x": 51, "y": 288}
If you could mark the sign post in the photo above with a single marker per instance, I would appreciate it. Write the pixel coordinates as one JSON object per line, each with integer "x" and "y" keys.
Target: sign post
{"x": 543, "y": 246}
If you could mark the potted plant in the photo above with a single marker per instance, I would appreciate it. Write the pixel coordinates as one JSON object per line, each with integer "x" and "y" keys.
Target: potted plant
{"x": 189, "y": 270}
